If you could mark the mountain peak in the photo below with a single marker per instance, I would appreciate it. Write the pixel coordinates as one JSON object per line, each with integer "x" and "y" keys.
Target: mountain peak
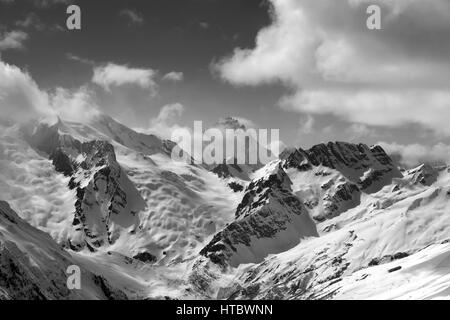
{"x": 352, "y": 160}
{"x": 230, "y": 123}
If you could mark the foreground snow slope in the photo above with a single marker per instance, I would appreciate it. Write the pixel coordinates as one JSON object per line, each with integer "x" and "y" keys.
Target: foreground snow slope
{"x": 33, "y": 266}
{"x": 400, "y": 220}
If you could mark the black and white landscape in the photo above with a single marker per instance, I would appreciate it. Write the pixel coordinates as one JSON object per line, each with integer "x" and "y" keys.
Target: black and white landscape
{"x": 355, "y": 206}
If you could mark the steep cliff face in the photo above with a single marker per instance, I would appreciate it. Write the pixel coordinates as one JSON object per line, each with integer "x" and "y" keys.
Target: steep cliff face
{"x": 368, "y": 167}
{"x": 106, "y": 200}
{"x": 33, "y": 266}
{"x": 269, "y": 219}
{"x": 424, "y": 174}
{"x": 393, "y": 245}
{"x": 331, "y": 178}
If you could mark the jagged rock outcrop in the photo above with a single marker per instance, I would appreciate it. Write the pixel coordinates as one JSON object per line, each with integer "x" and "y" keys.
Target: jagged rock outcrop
{"x": 33, "y": 266}
{"x": 368, "y": 167}
{"x": 232, "y": 170}
{"x": 269, "y": 219}
{"x": 338, "y": 174}
{"x": 146, "y": 257}
{"x": 424, "y": 174}
{"x": 345, "y": 196}
{"x": 107, "y": 201}
{"x": 330, "y": 178}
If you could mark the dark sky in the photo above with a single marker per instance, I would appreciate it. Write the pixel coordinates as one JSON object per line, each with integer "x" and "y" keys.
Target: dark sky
{"x": 175, "y": 35}
{"x": 337, "y": 79}
{"x": 185, "y": 36}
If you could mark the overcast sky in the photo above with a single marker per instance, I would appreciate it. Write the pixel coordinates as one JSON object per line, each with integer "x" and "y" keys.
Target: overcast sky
{"x": 308, "y": 67}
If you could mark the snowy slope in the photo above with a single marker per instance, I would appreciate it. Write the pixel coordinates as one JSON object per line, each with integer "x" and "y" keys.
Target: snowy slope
{"x": 332, "y": 178}
{"x": 31, "y": 185}
{"x": 270, "y": 219}
{"x": 335, "y": 221}
{"x": 401, "y": 220}
{"x": 119, "y": 198}
{"x": 33, "y": 266}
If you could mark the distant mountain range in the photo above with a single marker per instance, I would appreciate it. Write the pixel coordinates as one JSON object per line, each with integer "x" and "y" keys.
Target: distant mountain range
{"x": 337, "y": 221}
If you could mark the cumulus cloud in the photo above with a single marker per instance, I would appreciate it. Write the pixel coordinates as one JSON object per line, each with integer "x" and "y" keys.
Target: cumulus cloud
{"x": 75, "y": 105}
{"x": 427, "y": 107}
{"x": 168, "y": 115}
{"x": 174, "y": 76}
{"x": 20, "y": 96}
{"x": 166, "y": 122}
{"x": 111, "y": 74}
{"x": 12, "y": 40}
{"x": 133, "y": 17}
{"x": 324, "y": 53}
{"x": 414, "y": 154}
{"x": 21, "y": 99}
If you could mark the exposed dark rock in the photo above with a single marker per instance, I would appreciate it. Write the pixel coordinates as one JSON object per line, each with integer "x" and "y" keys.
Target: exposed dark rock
{"x": 268, "y": 209}
{"x": 351, "y": 160}
{"x": 236, "y": 187}
{"x": 109, "y": 292}
{"x": 146, "y": 257}
{"x": 388, "y": 258}
{"x": 94, "y": 164}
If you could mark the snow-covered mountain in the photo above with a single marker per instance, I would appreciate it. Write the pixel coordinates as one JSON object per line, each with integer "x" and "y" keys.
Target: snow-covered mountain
{"x": 270, "y": 219}
{"x": 338, "y": 220}
{"x": 33, "y": 266}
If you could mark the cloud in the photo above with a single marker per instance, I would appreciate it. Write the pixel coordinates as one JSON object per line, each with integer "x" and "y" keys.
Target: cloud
{"x": 168, "y": 115}
{"x": 40, "y": 3}
{"x": 133, "y": 17}
{"x": 276, "y": 147}
{"x": 428, "y": 107}
{"x": 75, "y": 105}
{"x": 31, "y": 21}
{"x": 234, "y": 123}
{"x": 323, "y": 52}
{"x": 203, "y": 25}
{"x": 112, "y": 74}
{"x": 414, "y": 154}
{"x": 166, "y": 122}
{"x": 21, "y": 99}
{"x": 174, "y": 76}
{"x": 73, "y": 57}
{"x": 12, "y": 40}
{"x": 306, "y": 124}
{"x": 357, "y": 132}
